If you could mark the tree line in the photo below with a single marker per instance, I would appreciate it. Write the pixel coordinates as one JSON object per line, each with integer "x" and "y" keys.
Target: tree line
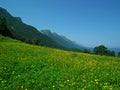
{"x": 98, "y": 50}
{"x": 4, "y": 29}
{"x": 102, "y": 50}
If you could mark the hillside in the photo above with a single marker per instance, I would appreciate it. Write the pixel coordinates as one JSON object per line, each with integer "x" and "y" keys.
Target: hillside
{"x": 29, "y": 67}
{"x": 24, "y": 32}
{"x": 62, "y": 40}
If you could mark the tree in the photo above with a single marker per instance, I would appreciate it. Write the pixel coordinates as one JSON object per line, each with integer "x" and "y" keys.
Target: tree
{"x": 118, "y": 54}
{"x": 75, "y": 49}
{"x": 28, "y": 41}
{"x": 35, "y": 41}
{"x": 86, "y": 51}
{"x": 3, "y": 28}
{"x": 100, "y": 50}
{"x": 110, "y": 53}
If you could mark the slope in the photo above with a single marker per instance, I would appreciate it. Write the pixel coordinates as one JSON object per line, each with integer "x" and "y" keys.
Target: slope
{"x": 26, "y": 32}
{"x": 29, "y": 67}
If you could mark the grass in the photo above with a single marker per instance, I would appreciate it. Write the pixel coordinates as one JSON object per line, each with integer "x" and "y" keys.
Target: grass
{"x": 29, "y": 67}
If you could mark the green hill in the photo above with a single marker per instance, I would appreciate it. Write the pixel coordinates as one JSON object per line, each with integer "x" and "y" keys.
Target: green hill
{"x": 29, "y": 67}
{"x": 24, "y": 32}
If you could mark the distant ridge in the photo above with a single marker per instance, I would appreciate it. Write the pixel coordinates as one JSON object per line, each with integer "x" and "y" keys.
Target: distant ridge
{"x": 62, "y": 40}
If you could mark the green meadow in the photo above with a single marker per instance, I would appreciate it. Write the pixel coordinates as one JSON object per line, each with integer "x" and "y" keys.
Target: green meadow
{"x": 30, "y": 67}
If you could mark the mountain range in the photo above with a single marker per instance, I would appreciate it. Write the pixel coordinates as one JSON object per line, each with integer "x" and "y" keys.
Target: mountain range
{"x": 29, "y": 33}
{"x": 62, "y": 40}
{"x": 26, "y": 32}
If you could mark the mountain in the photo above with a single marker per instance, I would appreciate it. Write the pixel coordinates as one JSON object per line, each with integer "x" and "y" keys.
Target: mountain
{"x": 62, "y": 40}
{"x": 26, "y": 32}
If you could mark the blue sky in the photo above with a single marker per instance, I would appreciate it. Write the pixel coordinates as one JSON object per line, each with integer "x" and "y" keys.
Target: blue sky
{"x": 88, "y": 22}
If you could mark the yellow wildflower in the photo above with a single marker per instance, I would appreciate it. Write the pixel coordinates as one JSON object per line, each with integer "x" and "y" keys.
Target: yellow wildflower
{"x": 68, "y": 80}
{"x": 0, "y": 79}
{"x": 53, "y": 86}
{"x": 83, "y": 89}
{"x": 89, "y": 85}
{"x": 84, "y": 80}
{"x": 61, "y": 85}
{"x": 96, "y": 82}
{"x": 111, "y": 88}
{"x": 22, "y": 86}
{"x": 105, "y": 84}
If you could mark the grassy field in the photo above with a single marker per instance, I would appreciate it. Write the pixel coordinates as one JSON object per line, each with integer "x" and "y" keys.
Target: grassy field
{"x": 29, "y": 67}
